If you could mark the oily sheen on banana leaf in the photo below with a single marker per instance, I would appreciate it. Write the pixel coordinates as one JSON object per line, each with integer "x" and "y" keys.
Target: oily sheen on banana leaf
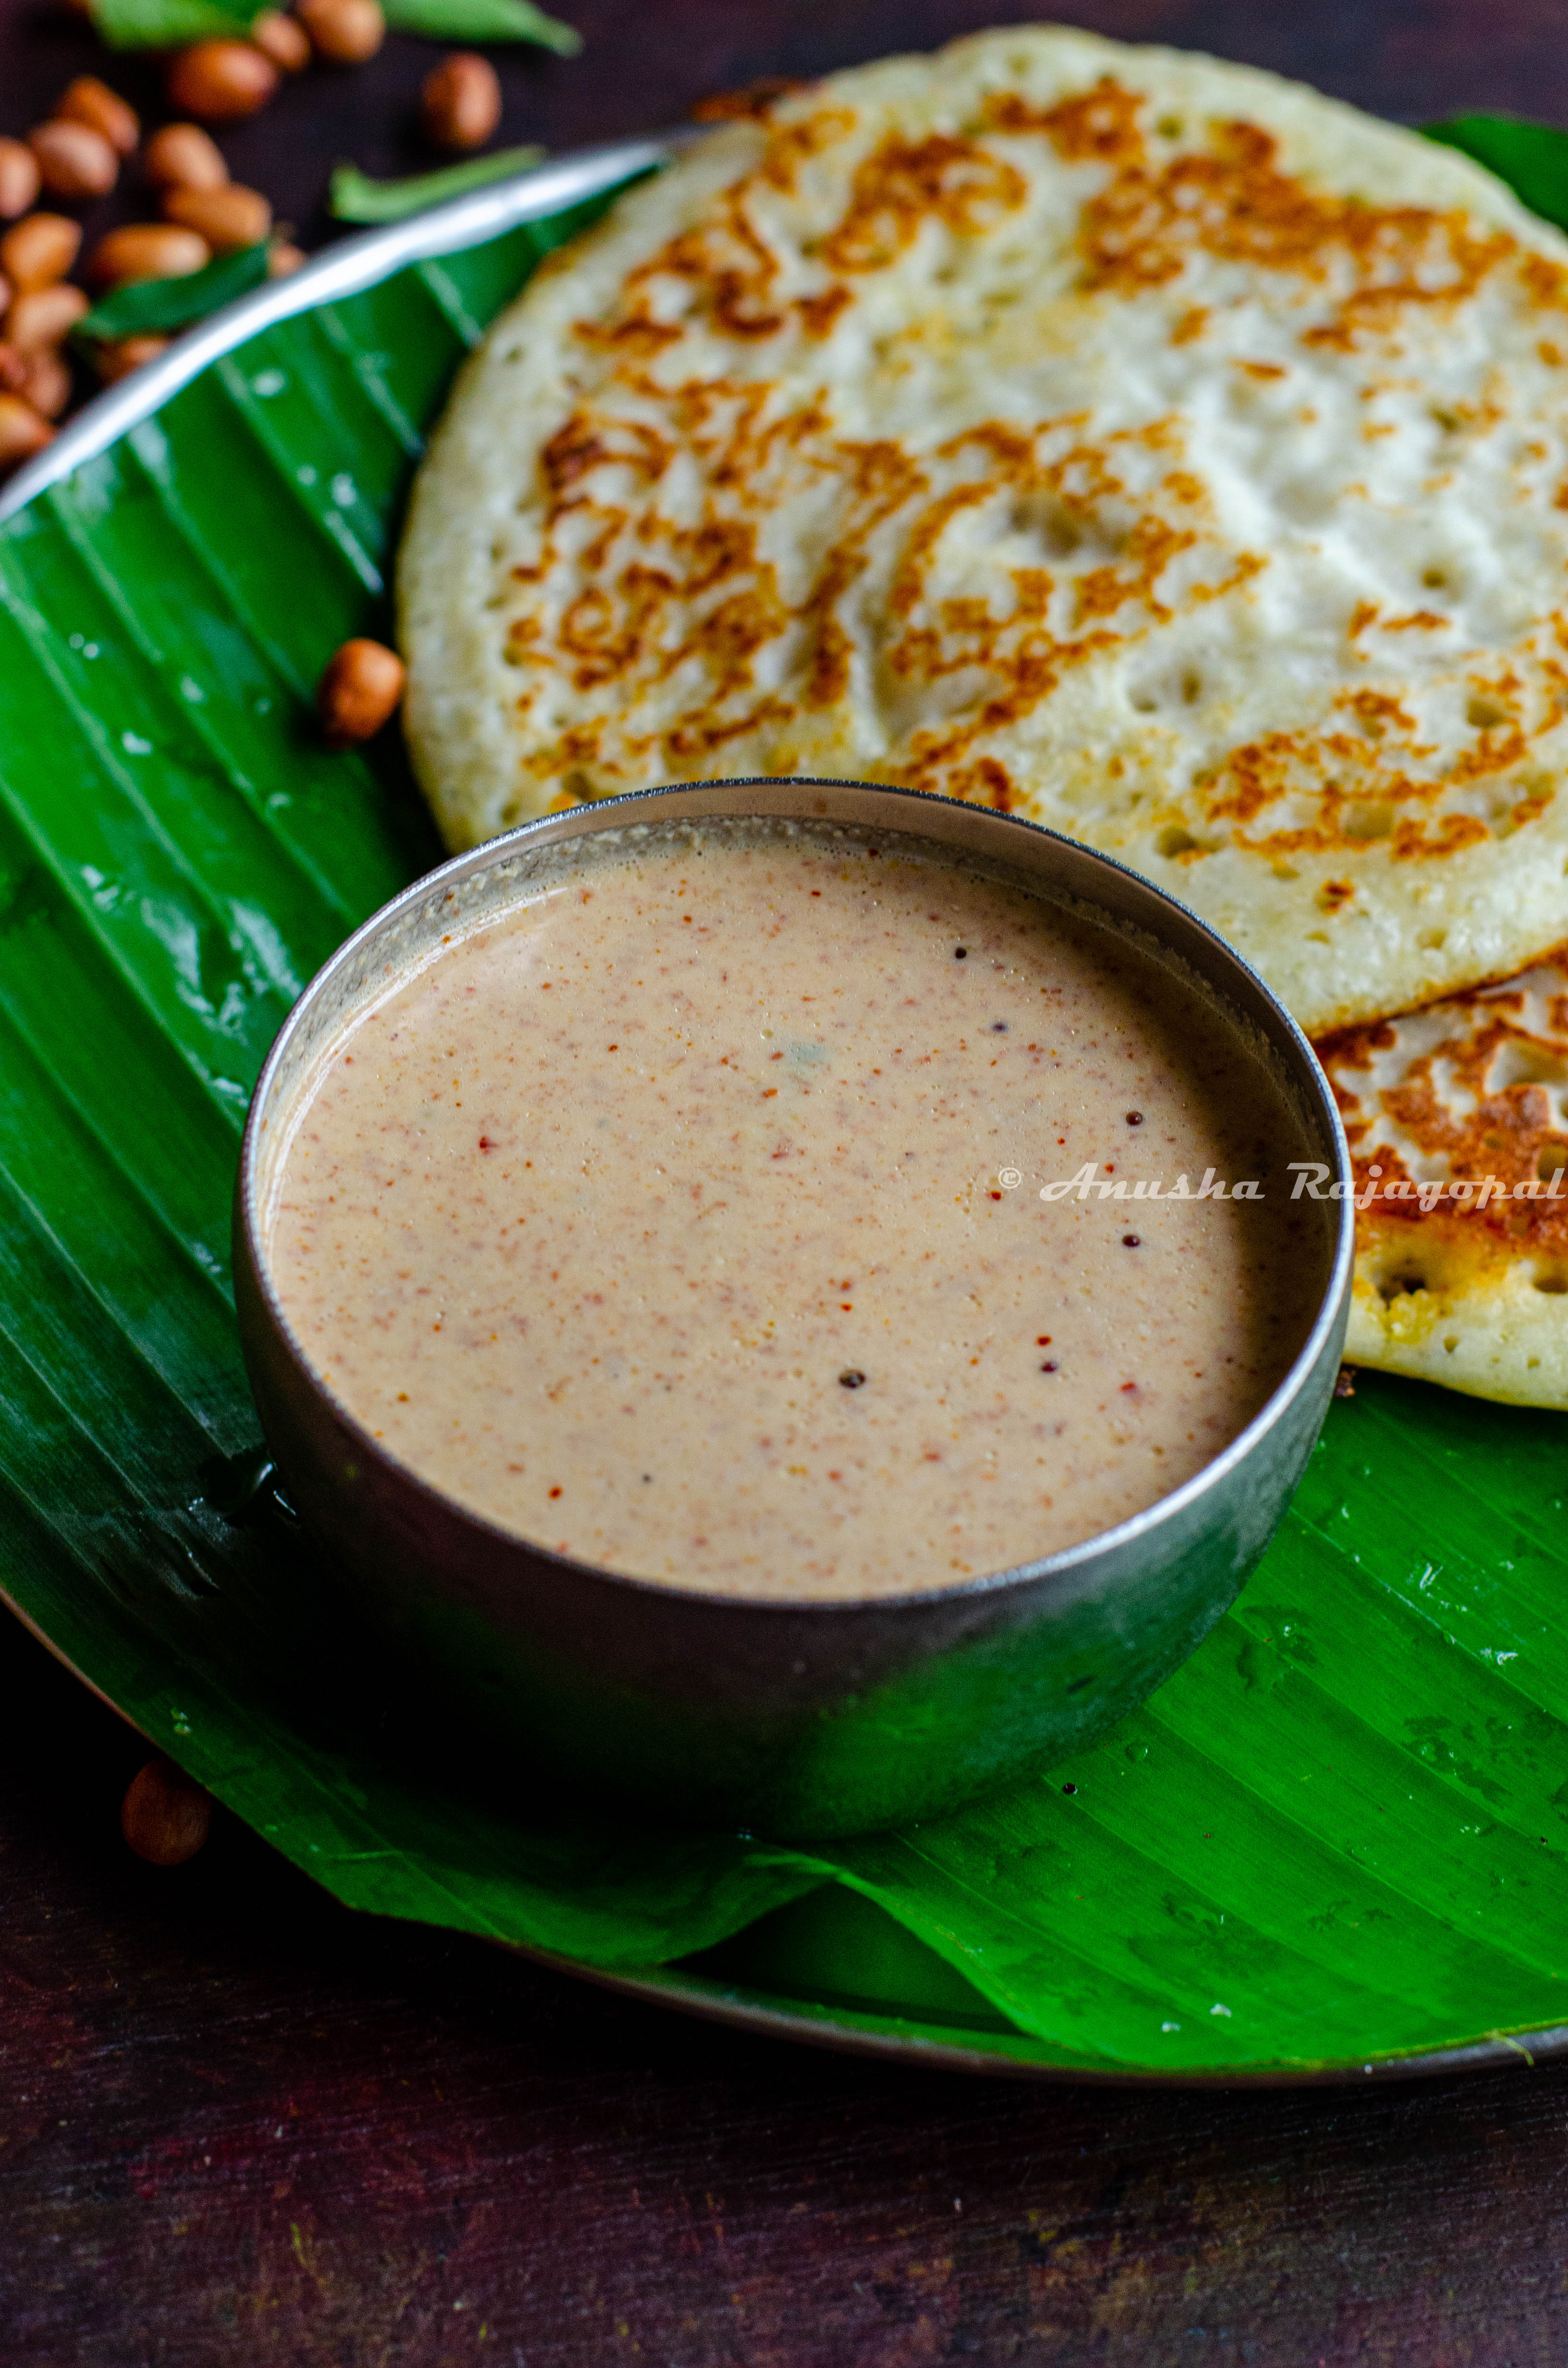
{"x": 1340, "y": 1834}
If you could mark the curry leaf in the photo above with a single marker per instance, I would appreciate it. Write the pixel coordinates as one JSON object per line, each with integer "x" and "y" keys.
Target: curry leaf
{"x": 166, "y": 23}
{"x": 356, "y": 198}
{"x": 483, "y": 20}
{"x": 149, "y": 307}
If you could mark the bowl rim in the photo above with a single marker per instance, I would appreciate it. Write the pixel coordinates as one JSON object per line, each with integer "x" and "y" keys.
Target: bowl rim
{"x": 552, "y": 828}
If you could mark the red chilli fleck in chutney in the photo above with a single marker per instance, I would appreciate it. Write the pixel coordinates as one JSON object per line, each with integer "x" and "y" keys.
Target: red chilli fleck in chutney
{"x": 687, "y": 1217}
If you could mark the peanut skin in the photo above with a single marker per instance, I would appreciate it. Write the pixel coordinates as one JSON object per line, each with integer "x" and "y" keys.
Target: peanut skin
{"x": 164, "y": 1816}
{"x": 183, "y": 156}
{"x": 74, "y": 161}
{"x": 20, "y": 181}
{"x": 45, "y": 316}
{"x": 344, "y": 32}
{"x": 87, "y": 100}
{"x": 460, "y": 103}
{"x": 23, "y": 432}
{"x": 220, "y": 80}
{"x": 47, "y": 385}
{"x": 227, "y": 219}
{"x": 283, "y": 39}
{"x": 146, "y": 251}
{"x": 358, "y": 692}
{"x": 39, "y": 250}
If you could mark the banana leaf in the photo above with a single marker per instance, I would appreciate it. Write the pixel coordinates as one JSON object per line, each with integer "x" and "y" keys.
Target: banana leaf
{"x": 1338, "y": 1838}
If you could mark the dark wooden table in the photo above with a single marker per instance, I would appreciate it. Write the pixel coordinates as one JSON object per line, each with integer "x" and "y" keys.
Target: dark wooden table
{"x": 240, "y": 2124}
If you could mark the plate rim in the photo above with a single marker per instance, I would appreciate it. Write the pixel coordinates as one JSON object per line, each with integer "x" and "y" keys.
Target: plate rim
{"x": 760, "y": 2014}
{"x": 346, "y": 269}
{"x": 763, "y": 2014}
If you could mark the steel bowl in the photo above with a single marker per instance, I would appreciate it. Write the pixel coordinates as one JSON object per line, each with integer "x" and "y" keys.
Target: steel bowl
{"x": 788, "y": 1718}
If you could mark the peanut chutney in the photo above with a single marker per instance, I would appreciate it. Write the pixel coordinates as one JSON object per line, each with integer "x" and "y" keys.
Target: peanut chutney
{"x": 687, "y": 1217}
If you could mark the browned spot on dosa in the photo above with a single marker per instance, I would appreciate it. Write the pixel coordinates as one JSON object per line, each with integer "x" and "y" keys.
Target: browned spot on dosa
{"x": 1457, "y": 1094}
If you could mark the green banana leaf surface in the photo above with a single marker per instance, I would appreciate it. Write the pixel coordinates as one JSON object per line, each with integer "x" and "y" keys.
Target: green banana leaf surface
{"x": 1338, "y": 1836}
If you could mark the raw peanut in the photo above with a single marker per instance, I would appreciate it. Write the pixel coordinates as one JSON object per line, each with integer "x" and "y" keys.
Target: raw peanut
{"x": 117, "y": 361}
{"x": 87, "y": 100}
{"x": 183, "y": 156}
{"x": 226, "y": 219}
{"x": 13, "y": 367}
{"x": 146, "y": 251}
{"x": 39, "y": 250}
{"x": 45, "y": 316}
{"x": 164, "y": 1816}
{"x": 22, "y": 432}
{"x": 47, "y": 383}
{"x": 345, "y": 32}
{"x": 19, "y": 179}
{"x": 283, "y": 39}
{"x": 358, "y": 692}
{"x": 284, "y": 259}
{"x": 220, "y": 80}
{"x": 73, "y": 160}
{"x": 460, "y": 103}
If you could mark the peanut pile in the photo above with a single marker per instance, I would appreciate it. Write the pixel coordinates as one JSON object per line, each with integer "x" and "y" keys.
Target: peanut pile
{"x": 94, "y": 135}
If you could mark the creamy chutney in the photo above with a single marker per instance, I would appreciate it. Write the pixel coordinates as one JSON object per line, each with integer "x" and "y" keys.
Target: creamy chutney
{"x": 687, "y": 1217}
